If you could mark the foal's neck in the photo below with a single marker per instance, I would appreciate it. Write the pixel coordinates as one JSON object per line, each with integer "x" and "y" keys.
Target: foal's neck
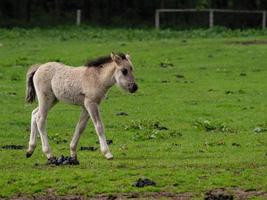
{"x": 106, "y": 75}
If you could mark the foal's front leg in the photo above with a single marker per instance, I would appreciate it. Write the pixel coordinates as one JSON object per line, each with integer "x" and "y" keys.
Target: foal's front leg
{"x": 93, "y": 110}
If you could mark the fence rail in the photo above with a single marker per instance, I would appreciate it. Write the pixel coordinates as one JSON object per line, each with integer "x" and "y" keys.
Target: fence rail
{"x": 211, "y": 14}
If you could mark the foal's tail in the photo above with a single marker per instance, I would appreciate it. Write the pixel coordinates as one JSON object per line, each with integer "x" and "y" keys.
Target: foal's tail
{"x": 30, "y": 90}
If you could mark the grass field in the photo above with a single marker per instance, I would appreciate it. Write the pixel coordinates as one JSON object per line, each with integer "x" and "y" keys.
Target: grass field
{"x": 207, "y": 88}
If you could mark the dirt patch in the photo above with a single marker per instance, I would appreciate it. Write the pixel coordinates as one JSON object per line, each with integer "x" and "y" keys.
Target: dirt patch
{"x": 250, "y": 42}
{"x": 179, "y": 76}
{"x": 109, "y": 142}
{"x": 164, "y": 81}
{"x": 215, "y": 194}
{"x": 218, "y": 194}
{"x": 13, "y": 147}
{"x": 122, "y": 114}
{"x": 166, "y": 64}
{"x": 233, "y": 193}
{"x": 149, "y": 195}
{"x": 47, "y": 197}
{"x": 88, "y": 148}
{"x": 247, "y": 194}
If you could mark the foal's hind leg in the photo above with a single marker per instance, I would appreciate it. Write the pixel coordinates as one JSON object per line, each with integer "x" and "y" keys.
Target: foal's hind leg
{"x": 45, "y": 104}
{"x": 32, "y": 142}
{"x": 81, "y": 125}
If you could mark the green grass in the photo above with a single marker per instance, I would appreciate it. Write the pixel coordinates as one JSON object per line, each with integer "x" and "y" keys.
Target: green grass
{"x": 210, "y": 113}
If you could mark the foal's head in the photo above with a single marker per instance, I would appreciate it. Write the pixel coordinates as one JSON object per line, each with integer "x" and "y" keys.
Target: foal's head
{"x": 124, "y": 72}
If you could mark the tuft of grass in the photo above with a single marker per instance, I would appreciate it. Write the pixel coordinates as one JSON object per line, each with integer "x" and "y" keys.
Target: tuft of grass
{"x": 212, "y": 126}
{"x": 145, "y": 124}
{"x": 260, "y": 128}
{"x": 149, "y": 129}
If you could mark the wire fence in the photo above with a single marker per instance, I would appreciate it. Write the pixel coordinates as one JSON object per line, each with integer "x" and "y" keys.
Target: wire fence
{"x": 211, "y": 12}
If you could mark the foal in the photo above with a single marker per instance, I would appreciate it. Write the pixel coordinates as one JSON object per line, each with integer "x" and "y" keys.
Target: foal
{"x": 85, "y": 86}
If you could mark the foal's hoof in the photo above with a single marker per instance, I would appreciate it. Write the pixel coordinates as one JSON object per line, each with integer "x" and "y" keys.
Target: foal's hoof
{"x": 28, "y": 154}
{"x": 109, "y": 156}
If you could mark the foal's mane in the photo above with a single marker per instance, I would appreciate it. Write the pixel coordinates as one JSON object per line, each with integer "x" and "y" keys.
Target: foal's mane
{"x": 102, "y": 60}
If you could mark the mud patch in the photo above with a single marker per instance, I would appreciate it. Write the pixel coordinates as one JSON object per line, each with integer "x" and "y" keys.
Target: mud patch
{"x": 247, "y": 194}
{"x": 122, "y": 114}
{"x": 229, "y": 92}
{"x": 218, "y": 194}
{"x": 250, "y": 42}
{"x": 150, "y": 195}
{"x": 164, "y": 81}
{"x": 233, "y": 193}
{"x": 179, "y": 76}
{"x": 88, "y": 148}
{"x": 109, "y": 142}
{"x": 236, "y": 144}
{"x": 12, "y": 93}
{"x": 166, "y": 64}
{"x": 121, "y": 196}
{"x": 12, "y": 147}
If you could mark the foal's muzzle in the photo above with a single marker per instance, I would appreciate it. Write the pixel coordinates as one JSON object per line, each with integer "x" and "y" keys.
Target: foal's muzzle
{"x": 133, "y": 87}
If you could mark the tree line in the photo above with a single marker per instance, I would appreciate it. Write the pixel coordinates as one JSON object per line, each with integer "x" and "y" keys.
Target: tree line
{"x": 123, "y": 13}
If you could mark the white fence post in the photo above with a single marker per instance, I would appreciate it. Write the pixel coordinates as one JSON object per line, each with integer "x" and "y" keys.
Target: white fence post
{"x": 211, "y": 18}
{"x": 157, "y": 19}
{"x": 78, "y": 17}
{"x": 263, "y": 19}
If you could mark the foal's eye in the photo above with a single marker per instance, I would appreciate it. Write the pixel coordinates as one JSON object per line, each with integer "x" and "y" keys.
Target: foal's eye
{"x": 124, "y": 71}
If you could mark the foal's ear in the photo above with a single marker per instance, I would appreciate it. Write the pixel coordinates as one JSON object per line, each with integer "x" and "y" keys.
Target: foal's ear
{"x": 115, "y": 57}
{"x": 128, "y": 57}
